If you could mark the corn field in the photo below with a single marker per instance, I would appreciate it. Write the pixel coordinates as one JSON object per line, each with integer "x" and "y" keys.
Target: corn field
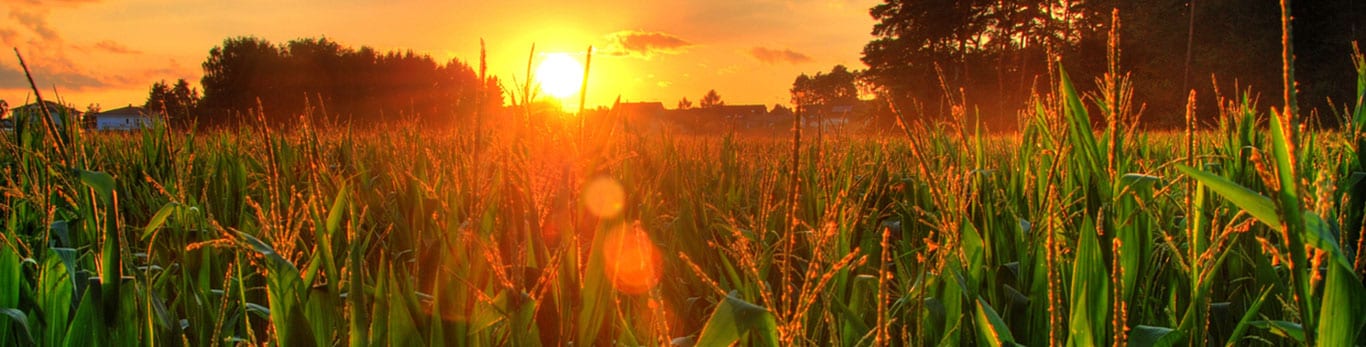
{"x": 573, "y": 232}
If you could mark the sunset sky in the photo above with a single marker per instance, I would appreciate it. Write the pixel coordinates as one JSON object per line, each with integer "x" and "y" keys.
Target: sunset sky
{"x": 110, "y": 52}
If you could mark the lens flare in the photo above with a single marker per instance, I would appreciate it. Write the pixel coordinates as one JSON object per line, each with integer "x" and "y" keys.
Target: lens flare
{"x": 633, "y": 263}
{"x": 604, "y": 197}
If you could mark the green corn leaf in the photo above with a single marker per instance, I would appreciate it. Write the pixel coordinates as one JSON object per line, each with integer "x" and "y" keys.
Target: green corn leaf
{"x": 990, "y": 327}
{"x": 1344, "y": 301}
{"x": 1283, "y": 328}
{"x": 1260, "y": 207}
{"x": 1138, "y": 179}
{"x": 159, "y": 218}
{"x": 1090, "y": 291}
{"x": 102, "y": 182}
{"x": 1246, "y": 321}
{"x": 21, "y": 322}
{"x": 322, "y": 312}
{"x": 56, "y": 289}
{"x": 86, "y": 328}
{"x": 402, "y": 329}
{"x": 334, "y": 214}
{"x": 1289, "y": 199}
{"x": 1318, "y": 234}
{"x": 734, "y": 318}
{"x": 1153, "y": 336}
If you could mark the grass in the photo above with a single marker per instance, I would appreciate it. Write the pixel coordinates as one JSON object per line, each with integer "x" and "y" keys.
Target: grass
{"x": 573, "y": 231}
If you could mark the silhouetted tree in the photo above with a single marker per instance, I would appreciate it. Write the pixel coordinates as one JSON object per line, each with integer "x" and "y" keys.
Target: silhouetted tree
{"x": 87, "y": 121}
{"x": 992, "y": 54}
{"x": 929, "y": 50}
{"x": 684, "y": 104}
{"x": 238, "y": 74}
{"x": 834, "y": 88}
{"x": 711, "y": 99}
{"x": 179, "y": 103}
{"x": 779, "y": 110}
{"x": 326, "y": 81}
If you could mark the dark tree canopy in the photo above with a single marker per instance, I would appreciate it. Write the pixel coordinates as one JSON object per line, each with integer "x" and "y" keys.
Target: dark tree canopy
{"x": 180, "y": 103}
{"x": 835, "y": 88}
{"x": 994, "y": 54}
{"x": 711, "y": 99}
{"x": 310, "y": 76}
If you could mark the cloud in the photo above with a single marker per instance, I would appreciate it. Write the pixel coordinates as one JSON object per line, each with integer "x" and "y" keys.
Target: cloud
{"x": 115, "y": 47}
{"x": 13, "y": 78}
{"x": 644, "y": 44}
{"x": 775, "y": 56}
{"x": 35, "y": 19}
{"x": 50, "y": 57}
{"x": 8, "y": 36}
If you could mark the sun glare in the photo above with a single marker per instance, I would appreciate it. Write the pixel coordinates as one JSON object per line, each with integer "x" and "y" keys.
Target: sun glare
{"x": 633, "y": 263}
{"x": 560, "y": 75}
{"x": 604, "y": 197}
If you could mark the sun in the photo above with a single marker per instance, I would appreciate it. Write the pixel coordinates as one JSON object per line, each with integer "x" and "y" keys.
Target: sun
{"x": 560, "y": 75}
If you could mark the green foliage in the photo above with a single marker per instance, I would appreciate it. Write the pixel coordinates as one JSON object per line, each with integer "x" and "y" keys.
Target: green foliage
{"x": 734, "y": 319}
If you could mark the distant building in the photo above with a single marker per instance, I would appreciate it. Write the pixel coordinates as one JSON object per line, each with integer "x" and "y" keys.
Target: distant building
{"x": 642, "y": 116}
{"x": 124, "y": 118}
{"x": 59, "y": 112}
{"x": 736, "y": 112}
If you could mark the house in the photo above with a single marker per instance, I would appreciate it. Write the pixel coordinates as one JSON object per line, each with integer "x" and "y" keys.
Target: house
{"x": 641, "y": 116}
{"x": 737, "y": 112}
{"x": 123, "y": 118}
{"x": 828, "y": 116}
{"x": 59, "y": 113}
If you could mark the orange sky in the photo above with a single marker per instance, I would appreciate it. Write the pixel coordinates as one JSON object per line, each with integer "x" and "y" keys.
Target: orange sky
{"x": 110, "y": 52}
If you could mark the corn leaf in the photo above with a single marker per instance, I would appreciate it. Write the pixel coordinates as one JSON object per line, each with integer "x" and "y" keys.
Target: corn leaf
{"x": 1283, "y": 328}
{"x": 734, "y": 318}
{"x": 20, "y": 321}
{"x": 1260, "y": 207}
{"x": 1090, "y": 291}
{"x": 1153, "y": 336}
{"x": 102, "y": 182}
{"x": 159, "y": 218}
{"x": 1344, "y": 300}
{"x": 990, "y": 327}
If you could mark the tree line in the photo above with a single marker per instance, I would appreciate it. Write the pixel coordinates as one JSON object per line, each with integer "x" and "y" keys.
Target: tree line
{"x": 993, "y": 54}
{"x": 248, "y": 77}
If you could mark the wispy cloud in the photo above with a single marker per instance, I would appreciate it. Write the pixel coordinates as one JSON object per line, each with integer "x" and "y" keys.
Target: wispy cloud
{"x": 50, "y": 57}
{"x": 115, "y": 47}
{"x": 644, "y": 44}
{"x": 13, "y": 78}
{"x": 775, "y": 56}
{"x": 35, "y": 19}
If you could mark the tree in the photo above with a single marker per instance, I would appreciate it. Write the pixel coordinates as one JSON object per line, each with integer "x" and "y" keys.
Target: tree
{"x": 684, "y": 103}
{"x": 238, "y": 74}
{"x": 87, "y": 121}
{"x": 711, "y": 99}
{"x": 993, "y": 54}
{"x": 179, "y": 103}
{"x": 780, "y": 111}
{"x": 325, "y": 81}
{"x": 835, "y": 88}
{"x": 928, "y": 50}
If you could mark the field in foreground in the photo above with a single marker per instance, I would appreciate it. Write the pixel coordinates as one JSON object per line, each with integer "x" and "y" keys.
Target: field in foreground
{"x": 559, "y": 234}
